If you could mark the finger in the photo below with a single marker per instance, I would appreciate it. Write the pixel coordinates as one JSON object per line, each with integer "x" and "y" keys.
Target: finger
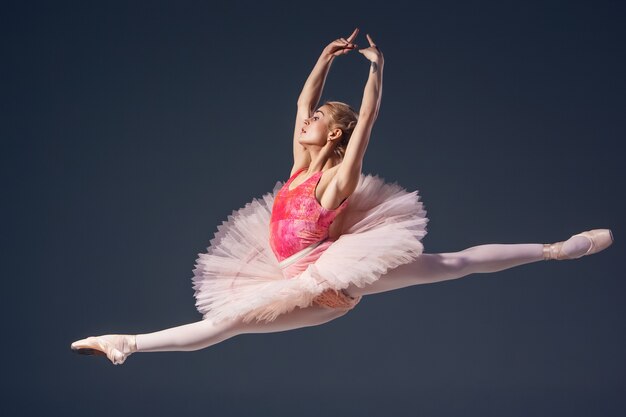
{"x": 351, "y": 37}
{"x": 370, "y": 40}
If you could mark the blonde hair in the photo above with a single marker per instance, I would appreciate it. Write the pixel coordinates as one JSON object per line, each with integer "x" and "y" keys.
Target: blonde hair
{"x": 343, "y": 117}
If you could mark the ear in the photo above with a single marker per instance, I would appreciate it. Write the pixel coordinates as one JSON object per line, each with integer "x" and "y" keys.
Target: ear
{"x": 335, "y": 134}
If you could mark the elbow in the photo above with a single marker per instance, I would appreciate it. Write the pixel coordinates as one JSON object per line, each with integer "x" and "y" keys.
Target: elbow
{"x": 304, "y": 103}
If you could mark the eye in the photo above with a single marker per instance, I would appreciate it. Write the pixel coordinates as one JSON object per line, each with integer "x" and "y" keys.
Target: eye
{"x": 315, "y": 117}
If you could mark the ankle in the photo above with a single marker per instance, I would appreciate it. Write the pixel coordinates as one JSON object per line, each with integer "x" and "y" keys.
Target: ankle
{"x": 573, "y": 248}
{"x": 132, "y": 343}
{"x": 552, "y": 251}
{"x": 125, "y": 343}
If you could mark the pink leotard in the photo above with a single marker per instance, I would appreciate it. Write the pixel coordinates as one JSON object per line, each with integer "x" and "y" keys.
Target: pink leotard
{"x": 298, "y": 220}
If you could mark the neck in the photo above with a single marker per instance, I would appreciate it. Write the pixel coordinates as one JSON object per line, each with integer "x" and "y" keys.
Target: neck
{"x": 322, "y": 159}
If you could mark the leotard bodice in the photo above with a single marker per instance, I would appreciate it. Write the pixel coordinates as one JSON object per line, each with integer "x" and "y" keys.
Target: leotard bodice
{"x": 298, "y": 220}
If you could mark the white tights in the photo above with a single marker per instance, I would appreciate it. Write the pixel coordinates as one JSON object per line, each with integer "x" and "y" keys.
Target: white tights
{"x": 204, "y": 333}
{"x": 426, "y": 269}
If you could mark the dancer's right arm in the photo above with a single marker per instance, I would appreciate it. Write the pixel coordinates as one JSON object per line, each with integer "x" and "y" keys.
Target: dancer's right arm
{"x": 312, "y": 91}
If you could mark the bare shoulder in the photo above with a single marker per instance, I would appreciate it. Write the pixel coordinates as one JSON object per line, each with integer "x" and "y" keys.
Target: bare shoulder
{"x": 298, "y": 165}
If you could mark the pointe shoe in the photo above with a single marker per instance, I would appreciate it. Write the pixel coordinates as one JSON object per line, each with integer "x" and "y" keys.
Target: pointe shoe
{"x": 600, "y": 239}
{"x": 115, "y": 347}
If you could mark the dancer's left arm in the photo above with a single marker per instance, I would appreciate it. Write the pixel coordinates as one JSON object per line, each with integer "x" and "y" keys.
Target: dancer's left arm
{"x": 349, "y": 171}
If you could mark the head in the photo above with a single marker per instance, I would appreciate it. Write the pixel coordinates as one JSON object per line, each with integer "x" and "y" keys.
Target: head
{"x": 332, "y": 125}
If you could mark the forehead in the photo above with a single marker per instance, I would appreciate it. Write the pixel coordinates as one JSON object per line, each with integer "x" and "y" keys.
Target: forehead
{"x": 321, "y": 111}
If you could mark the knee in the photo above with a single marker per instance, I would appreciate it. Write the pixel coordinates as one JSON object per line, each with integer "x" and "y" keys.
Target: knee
{"x": 231, "y": 327}
{"x": 457, "y": 262}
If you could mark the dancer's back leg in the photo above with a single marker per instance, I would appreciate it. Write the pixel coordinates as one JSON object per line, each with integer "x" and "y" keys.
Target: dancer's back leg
{"x": 200, "y": 334}
{"x": 204, "y": 333}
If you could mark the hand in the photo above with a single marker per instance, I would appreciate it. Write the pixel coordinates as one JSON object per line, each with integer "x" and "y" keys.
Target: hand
{"x": 372, "y": 53}
{"x": 342, "y": 46}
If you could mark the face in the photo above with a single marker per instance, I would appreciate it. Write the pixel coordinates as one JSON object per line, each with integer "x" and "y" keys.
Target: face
{"x": 315, "y": 130}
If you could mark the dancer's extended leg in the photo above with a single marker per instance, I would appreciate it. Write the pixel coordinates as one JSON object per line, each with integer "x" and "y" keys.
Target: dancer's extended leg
{"x": 434, "y": 267}
{"x": 202, "y": 334}
{"x": 427, "y": 268}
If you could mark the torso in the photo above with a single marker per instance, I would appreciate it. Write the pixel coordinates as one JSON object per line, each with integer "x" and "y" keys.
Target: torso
{"x": 326, "y": 194}
{"x": 298, "y": 218}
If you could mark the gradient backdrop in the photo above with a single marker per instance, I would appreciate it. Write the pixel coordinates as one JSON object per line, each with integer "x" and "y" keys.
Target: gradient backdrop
{"x": 131, "y": 130}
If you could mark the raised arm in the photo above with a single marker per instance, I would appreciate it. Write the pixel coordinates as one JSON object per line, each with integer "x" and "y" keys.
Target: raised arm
{"x": 312, "y": 91}
{"x": 350, "y": 169}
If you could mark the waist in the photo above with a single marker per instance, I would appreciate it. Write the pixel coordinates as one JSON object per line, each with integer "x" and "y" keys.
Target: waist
{"x": 300, "y": 254}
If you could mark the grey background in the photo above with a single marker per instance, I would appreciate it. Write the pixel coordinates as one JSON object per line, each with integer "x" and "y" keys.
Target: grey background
{"x": 130, "y": 130}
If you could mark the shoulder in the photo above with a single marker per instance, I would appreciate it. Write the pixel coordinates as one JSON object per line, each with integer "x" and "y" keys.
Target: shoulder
{"x": 297, "y": 167}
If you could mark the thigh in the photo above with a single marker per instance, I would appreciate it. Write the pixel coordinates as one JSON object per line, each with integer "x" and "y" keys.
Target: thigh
{"x": 427, "y": 268}
{"x": 297, "y": 318}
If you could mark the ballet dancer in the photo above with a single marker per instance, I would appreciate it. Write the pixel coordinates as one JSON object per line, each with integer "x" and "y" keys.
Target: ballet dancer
{"x": 307, "y": 252}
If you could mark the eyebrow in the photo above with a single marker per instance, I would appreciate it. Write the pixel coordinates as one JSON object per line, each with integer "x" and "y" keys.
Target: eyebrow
{"x": 319, "y": 112}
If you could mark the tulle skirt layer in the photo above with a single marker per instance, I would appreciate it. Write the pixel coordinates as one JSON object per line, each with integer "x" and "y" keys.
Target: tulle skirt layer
{"x": 240, "y": 278}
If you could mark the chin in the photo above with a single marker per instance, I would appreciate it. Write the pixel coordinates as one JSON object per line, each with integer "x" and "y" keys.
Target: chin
{"x": 308, "y": 142}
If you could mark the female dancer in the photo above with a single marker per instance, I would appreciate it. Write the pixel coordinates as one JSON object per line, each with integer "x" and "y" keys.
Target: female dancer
{"x": 306, "y": 254}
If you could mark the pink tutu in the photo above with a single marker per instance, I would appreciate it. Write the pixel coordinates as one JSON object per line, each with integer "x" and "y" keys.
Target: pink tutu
{"x": 239, "y": 277}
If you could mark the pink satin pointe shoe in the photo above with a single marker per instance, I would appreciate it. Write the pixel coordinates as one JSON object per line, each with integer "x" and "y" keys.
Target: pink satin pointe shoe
{"x": 116, "y": 347}
{"x": 600, "y": 239}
